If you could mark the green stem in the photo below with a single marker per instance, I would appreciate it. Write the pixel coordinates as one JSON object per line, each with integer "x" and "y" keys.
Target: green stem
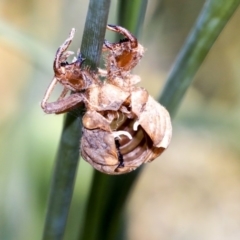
{"x": 108, "y": 194}
{"x": 131, "y": 14}
{"x": 68, "y": 154}
{"x": 210, "y": 23}
{"x": 63, "y": 179}
{"x": 94, "y": 31}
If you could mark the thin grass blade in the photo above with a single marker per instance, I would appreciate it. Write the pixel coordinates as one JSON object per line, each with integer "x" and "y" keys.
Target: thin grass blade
{"x": 212, "y": 19}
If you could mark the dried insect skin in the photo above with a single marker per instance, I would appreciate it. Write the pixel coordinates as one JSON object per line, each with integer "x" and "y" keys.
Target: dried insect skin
{"x": 72, "y": 77}
{"x": 98, "y": 147}
{"x": 123, "y": 126}
{"x": 105, "y": 97}
{"x": 123, "y": 56}
{"x": 146, "y": 120}
{"x": 144, "y": 146}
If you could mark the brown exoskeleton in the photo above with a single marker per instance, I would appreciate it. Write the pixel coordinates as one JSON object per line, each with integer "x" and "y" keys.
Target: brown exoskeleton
{"x": 123, "y": 126}
{"x": 121, "y": 58}
{"x": 71, "y": 76}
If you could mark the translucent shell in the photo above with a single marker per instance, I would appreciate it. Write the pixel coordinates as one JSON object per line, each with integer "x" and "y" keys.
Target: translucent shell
{"x": 129, "y": 142}
{"x": 123, "y": 126}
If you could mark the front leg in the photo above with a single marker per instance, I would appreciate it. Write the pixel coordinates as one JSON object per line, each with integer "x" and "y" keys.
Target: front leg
{"x": 64, "y": 104}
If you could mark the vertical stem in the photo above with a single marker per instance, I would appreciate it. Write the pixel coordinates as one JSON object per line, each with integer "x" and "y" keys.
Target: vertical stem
{"x": 94, "y": 31}
{"x": 63, "y": 179}
{"x": 131, "y": 14}
{"x": 68, "y": 154}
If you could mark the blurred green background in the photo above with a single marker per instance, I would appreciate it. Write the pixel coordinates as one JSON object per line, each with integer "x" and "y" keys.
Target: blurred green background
{"x": 191, "y": 192}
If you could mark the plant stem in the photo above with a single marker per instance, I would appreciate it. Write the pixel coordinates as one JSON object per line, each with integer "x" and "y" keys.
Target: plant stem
{"x": 213, "y": 18}
{"x": 131, "y": 14}
{"x": 68, "y": 154}
{"x": 63, "y": 179}
{"x": 94, "y": 31}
